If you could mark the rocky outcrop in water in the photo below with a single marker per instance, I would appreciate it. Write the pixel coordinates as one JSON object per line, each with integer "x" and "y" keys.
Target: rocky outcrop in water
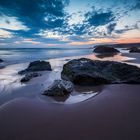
{"x": 105, "y": 49}
{"x": 134, "y": 50}
{"x": 59, "y": 88}
{"x": 37, "y": 66}
{"x": 29, "y": 76}
{"x": 88, "y": 72}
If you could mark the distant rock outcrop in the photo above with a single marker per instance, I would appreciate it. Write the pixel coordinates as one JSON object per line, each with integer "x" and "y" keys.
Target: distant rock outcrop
{"x": 37, "y": 66}
{"x": 134, "y": 50}
{"x": 105, "y": 49}
{"x": 59, "y": 88}
{"x": 88, "y": 72}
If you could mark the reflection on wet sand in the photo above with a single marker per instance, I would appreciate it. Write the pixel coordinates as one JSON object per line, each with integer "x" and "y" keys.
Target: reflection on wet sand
{"x": 87, "y": 89}
{"x": 80, "y": 94}
{"x": 74, "y": 98}
{"x": 112, "y": 57}
{"x": 60, "y": 99}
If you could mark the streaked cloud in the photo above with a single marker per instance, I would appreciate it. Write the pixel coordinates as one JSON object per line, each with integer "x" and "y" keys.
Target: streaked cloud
{"x": 5, "y": 34}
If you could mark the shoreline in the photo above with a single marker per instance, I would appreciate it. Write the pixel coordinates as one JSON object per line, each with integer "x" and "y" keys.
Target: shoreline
{"x": 10, "y": 79}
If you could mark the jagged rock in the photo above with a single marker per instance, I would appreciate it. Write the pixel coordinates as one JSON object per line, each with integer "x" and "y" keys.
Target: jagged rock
{"x": 59, "y": 88}
{"x": 105, "y": 49}
{"x": 29, "y": 76}
{"x": 88, "y": 72}
{"x": 37, "y": 66}
{"x": 134, "y": 50}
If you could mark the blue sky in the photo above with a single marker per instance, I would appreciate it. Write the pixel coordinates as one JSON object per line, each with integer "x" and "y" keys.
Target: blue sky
{"x": 68, "y": 23}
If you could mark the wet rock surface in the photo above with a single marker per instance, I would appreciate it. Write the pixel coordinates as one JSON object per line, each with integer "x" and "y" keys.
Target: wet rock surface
{"x": 37, "y": 66}
{"x": 59, "y": 88}
{"x": 88, "y": 72}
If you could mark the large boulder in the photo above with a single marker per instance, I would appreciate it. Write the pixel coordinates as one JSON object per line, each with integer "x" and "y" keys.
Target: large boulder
{"x": 37, "y": 66}
{"x": 105, "y": 49}
{"x": 134, "y": 50}
{"x": 29, "y": 76}
{"x": 1, "y": 60}
{"x": 88, "y": 72}
{"x": 59, "y": 88}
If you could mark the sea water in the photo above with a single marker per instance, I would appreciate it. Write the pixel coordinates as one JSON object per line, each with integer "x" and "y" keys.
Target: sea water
{"x": 21, "y": 55}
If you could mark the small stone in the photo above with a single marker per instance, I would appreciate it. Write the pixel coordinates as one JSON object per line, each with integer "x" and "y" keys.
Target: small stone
{"x": 37, "y": 66}
{"x": 59, "y": 88}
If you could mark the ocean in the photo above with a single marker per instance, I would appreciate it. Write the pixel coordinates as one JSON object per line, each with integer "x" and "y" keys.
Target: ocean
{"x": 21, "y": 55}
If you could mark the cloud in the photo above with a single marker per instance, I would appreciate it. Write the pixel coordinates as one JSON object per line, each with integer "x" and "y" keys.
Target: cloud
{"x": 5, "y": 34}
{"x": 79, "y": 29}
{"x": 136, "y": 5}
{"x": 77, "y": 38}
{"x": 11, "y": 23}
{"x": 99, "y": 18}
{"x": 111, "y": 28}
{"x": 52, "y": 22}
{"x": 35, "y": 14}
{"x": 93, "y": 20}
{"x": 126, "y": 28}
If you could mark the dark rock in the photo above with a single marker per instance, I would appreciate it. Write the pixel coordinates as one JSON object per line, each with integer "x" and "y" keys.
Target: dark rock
{"x": 1, "y": 60}
{"x": 88, "y": 72}
{"x": 59, "y": 88}
{"x": 134, "y": 50}
{"x": 29, "y": 76}
{"x": 37, "y": 66}
{"x": 105, "y": 49}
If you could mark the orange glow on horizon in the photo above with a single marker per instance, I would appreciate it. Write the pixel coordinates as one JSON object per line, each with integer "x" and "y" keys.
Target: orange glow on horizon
{"x": 129, "y": 40}
{"x": 105, "y": 40}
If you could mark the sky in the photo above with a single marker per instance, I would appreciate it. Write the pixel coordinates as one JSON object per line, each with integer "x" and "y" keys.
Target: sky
{"x": 68, "y": 23}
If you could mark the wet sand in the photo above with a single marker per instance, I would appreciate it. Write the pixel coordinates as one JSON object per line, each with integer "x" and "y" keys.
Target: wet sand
{"x": 113, "y": 114}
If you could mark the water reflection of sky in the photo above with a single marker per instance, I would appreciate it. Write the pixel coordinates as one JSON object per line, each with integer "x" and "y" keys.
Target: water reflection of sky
{"x": 116, "y": 57}
{"x": 13, "y": 56}
{"x": 10, "y": 80}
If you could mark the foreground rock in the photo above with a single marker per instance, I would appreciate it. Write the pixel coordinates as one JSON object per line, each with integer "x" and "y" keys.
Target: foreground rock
{"x": 29, "y": 76}
{"x": 59, "y": 88}
{"x": 37, "y": 66}
{"x": 134, "y": 50}
{"x": 88, "y": 72}
{"x": 105, "y": 49}
{"x": 1, "y": 60}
